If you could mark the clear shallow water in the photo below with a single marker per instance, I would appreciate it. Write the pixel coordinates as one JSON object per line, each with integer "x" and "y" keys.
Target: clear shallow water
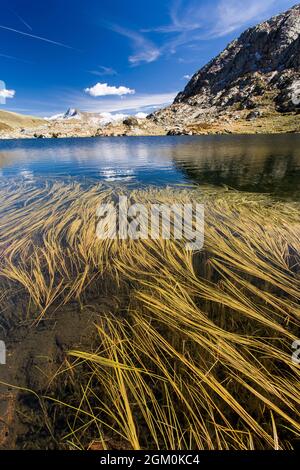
{"x": 249, "y": 163}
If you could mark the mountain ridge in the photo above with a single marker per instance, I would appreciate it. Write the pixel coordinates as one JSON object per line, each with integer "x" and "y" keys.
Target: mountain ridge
{"x": 10, "y": 120}
{"x": 258, "y": 71}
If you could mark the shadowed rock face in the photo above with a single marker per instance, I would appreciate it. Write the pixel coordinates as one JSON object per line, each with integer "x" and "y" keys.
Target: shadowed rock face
{"x": 264, "y": 59}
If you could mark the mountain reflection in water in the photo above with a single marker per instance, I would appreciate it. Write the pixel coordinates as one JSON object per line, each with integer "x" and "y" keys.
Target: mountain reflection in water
{"x": 255, "y": 163}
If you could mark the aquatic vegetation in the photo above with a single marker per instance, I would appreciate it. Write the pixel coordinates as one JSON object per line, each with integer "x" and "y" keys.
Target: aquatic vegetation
{"x": 199, "y": 353}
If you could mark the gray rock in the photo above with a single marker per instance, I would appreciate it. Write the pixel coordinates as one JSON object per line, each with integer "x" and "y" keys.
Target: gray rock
{"x": 131, "y": 121}
{"x": 262, "y": 64}
{"x": 177, "y": 132}
{"x": 253, "y": 115}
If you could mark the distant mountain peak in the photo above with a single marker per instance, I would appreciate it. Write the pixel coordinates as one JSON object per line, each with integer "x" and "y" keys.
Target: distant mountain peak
{"x": 72, "y": 113}
{"x": 101, "y": 118}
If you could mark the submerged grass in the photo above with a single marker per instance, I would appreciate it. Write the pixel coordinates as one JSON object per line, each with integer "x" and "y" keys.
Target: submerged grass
{"x": 199, "y": 356}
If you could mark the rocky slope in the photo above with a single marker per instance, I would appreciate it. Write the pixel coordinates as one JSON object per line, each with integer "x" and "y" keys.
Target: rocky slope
{"x": 9, "y": 121}
{"x": 253, "y": 84}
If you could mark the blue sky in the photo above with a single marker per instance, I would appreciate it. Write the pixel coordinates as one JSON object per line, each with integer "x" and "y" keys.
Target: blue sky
{"x": 113, "y": 55}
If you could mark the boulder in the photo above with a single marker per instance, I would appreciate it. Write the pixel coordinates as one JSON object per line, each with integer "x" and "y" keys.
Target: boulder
{"x": 131, "y": 121}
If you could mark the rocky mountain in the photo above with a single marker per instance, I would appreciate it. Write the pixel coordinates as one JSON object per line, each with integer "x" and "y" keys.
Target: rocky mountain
{"x": 71, "y": 113}
{"x": 74, "y": 113}
{"x": 256, "y": 78}
{"x": 75, "y": 123}
{"x": 93, "y": 118}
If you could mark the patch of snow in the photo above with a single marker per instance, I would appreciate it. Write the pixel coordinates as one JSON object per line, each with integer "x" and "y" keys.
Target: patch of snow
{"x": 55, "y": 117}
{"x": 106, "y": 118}
{"x": 141, "y": 115}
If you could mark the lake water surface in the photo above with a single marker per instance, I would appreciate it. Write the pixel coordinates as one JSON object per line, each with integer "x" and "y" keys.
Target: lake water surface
{"x": 255, "y": 163}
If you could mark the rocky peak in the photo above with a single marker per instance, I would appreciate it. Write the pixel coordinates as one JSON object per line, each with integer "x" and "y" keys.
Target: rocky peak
{"x": 262, "y": 65}
{"x": 72, "y": 113}
{"x": 272, "y": 46}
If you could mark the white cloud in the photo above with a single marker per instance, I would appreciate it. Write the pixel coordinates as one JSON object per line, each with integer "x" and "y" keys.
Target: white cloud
{"x": 191, "y": 22}
{"x": 144, "y": 49}
{"x": 62, "y": 99}
{"x": 103, "y": 89}
{"x": 137, "y": 103}
{"x": 187, "y": 77}
{"x": 185, "y": 16}
{"x": 102, "y": 70}
{"x": 7, "y": 93}
{"x": 148, "y": 55}
{"x": 231, "y": 15}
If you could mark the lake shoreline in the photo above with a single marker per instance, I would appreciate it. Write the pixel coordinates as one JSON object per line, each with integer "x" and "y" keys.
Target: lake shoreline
{"x": 238, "y": 124}
{"x": 29, "y": 137}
